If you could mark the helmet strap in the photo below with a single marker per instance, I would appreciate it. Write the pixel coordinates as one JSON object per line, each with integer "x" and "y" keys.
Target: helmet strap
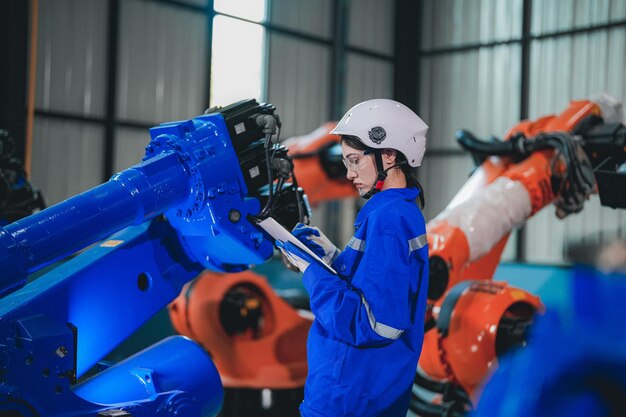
{"x": 380, "y": 178}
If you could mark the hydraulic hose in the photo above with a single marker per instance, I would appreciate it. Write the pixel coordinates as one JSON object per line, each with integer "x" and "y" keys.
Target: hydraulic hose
{"x": 516, "y": 146}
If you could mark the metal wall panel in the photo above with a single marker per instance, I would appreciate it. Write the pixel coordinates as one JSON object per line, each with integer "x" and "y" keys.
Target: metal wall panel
{"x": 577, "y": 67}
{"x": 310, "y": 17}
{"x": 547, "y": 236}
{"x": 460, "y": 22}
{"x": 559, "y": 15}
{"x": 67, "y": 158}
{"x": 442, "y": 177}
{"x": 162, "y": 62}
{"x": 71, "y": 48}
{"x": 371, "y": 25}
{"x": 196, "y": 2}
{"x": 476, "y": 90}
{"x": 595, "y": 63}
{"x": 367, "y": 78}
{"x": 299, "y": 83}
{"x": 130, "y": 147}
{"x": 510, "y": 250}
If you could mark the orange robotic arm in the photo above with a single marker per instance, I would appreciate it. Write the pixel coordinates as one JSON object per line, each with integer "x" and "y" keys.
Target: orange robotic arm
{"x": 256, "y": 339}
{"x": 318, "y": 166}
{"x": 474, "y": 319}
{"x": 467, "y": 239}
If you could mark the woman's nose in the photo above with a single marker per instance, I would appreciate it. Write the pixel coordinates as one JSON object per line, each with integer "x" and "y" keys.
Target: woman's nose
{"x": 350, "y": 174}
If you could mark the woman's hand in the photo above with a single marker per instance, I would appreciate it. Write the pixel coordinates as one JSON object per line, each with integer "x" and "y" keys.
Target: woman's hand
{"x": 314, "y": 239}
{"x": 295, "y": 256}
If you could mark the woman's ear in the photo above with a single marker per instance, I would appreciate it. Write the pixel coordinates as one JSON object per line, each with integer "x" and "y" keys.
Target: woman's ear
{"x": 389, "y": 156}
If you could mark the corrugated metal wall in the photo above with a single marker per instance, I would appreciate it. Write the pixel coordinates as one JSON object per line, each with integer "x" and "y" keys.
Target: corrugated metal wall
{"x": 471, "y": 79}
{"x": 371, "y": 25}
{"x": 161, "y": 76}
{"x": 162, "y": 62}
{"x": 71, "y": 63}
{"x": 475, "y": 89}
{"x": 309, "y": 17}
{"x": 67, "y": 154}
{"x": 67, "y": 157}
{"x": 299, "y": 83}
{"x": 367, "y": 78}
{"x": 447, "y": 23}
{"x": 371, "y": 30}
{"x": 300, "y": 74}
{"x": 573, "y": 67}
{"x": 299, "y": 71}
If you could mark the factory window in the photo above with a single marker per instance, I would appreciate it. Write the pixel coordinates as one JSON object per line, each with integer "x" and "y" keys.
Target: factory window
{"x": 237, "y": 63}
{"x": 246, "y": 9}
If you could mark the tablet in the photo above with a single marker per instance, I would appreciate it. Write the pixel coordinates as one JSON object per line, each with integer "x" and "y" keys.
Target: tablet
{"x": 278, "y": 232}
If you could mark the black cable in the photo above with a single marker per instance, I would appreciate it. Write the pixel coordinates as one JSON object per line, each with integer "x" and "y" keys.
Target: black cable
{"x": 574, "y": 186}
{"x": 428, "y": 384}
{"x": 298, "y": 199}
{"x": 429, "y": 324}
{"x": 276, "y": 141}
{"x": 424, "y": 409}
{"x": 270, "y": 179}
{"x": 454, "y": 400}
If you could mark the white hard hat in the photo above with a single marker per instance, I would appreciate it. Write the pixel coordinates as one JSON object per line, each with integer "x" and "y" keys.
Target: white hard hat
{"x": 386, "y": 124}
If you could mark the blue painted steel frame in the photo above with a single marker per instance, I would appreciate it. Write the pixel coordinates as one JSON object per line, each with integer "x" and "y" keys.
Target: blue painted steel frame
{"x": 190, "y": 172}
{"x": 74, "y": 315}
{"x": 59, "y": 326}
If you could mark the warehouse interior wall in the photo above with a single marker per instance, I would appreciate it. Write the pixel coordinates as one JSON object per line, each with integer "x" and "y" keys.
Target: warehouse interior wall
{"x": 487, "y": 64}
{"x": 107, "y": 71}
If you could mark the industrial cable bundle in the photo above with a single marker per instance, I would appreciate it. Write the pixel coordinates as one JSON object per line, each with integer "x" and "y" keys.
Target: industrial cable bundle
{"x": 278, "y": 163}
{"x": 577, "y": 181}
{"x": 452, "y": 401}
{"x": 572, "y": 174}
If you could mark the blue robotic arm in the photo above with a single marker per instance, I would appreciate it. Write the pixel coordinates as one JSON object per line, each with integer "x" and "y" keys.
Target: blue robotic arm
{"x": 190, "y": 205}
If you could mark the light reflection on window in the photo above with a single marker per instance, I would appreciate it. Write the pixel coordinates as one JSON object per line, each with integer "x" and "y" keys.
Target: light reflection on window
{"x": 237, "y": 60}
{"x": 247, "y": 9}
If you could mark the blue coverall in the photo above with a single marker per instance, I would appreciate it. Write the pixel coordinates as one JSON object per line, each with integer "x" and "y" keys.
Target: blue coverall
{"x": 367, "y": 335}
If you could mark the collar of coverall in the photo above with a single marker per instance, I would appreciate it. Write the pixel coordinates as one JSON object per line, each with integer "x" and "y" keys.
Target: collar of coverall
{"x": 383, "y": 197}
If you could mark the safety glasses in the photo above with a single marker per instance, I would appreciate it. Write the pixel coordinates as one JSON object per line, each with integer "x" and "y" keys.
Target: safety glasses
{"x": 354, "y": 162}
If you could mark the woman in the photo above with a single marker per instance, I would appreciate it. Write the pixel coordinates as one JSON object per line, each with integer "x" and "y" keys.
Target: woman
{"x": 366, "y": 338}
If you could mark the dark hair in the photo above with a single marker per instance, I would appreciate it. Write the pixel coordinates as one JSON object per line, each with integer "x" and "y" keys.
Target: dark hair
{"x": 355, "y": 142}
{"x": 407, "y": 170}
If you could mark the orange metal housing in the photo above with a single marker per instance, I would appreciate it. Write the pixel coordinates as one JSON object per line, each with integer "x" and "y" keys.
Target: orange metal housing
{"x": 308, "y": 169}
{"x": 468, "y": 352}
{"x": 272, "y": 357}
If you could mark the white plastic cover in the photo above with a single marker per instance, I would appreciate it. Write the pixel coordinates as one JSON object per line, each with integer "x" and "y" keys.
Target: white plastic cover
{"x": 490, "y": 214}
{"x": 612, "y": 111}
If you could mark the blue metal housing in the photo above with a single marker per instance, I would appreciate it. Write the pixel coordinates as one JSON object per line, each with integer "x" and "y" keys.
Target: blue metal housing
{"x": 217, "y": 195}
{"x": 183, "y": 209}
{"x": 190, "y": 172}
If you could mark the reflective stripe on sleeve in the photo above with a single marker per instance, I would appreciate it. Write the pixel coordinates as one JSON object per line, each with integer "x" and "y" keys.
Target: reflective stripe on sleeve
{"x": 417, "y": 242}
{"x": 357, "y": 244}
{"x": 380, "y": 329}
